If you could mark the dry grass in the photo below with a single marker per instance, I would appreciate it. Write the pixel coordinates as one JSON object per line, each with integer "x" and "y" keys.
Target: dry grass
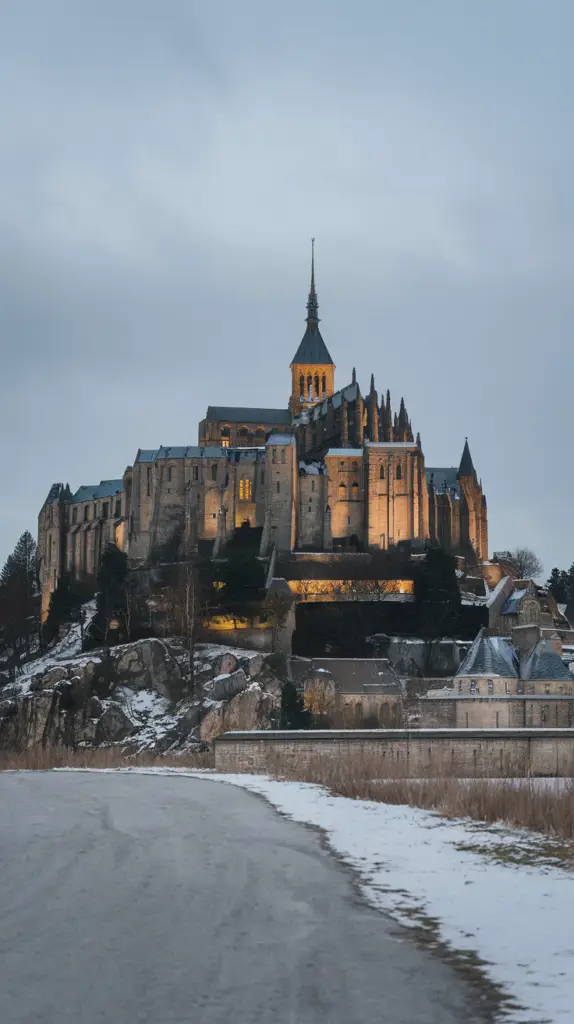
{"x": 46, "y": 758}
{"x": 544, "y": 806}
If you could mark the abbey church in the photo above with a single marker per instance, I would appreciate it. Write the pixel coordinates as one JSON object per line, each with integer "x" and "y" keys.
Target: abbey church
{"x": 332, "y": 470}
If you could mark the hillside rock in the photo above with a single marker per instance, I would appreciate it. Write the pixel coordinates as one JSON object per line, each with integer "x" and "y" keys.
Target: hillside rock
{"x": 138, "y": 695}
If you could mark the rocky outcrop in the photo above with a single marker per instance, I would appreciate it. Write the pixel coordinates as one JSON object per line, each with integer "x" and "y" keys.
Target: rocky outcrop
{"x": 140, "y": 695}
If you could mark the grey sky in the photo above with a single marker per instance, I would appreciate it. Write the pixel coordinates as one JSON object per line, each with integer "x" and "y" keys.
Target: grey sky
{"x": 162, "y": 168}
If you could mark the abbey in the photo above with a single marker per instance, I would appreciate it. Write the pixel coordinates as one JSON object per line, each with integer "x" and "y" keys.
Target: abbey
{"x": 334, "y": 469}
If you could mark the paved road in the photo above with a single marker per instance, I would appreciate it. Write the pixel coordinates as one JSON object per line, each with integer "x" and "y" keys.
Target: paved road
{"x": 136, "y": 899}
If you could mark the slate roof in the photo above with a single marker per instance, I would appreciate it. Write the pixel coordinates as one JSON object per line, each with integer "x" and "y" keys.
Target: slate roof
{"x": 490, "y": 656}
{"x": 545, "y": 663}
{"x": 312, "y": 348}
{"x": 243, "y": 414}
{"x": 183, "y": 452}
{"x": 513, "y": 603}
{"x": 350, "y": 675}
{"x": 444, "y": 478}
{"x": 496, "y": 656}
{"x": 92, "y": 492}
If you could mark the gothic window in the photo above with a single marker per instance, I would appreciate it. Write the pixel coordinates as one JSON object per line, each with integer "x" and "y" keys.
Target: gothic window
{"x": 244, "y": 489}
{"x": 243, "y": 431}
{"x": 260, "y": 432}
{"x": 282, "y": 455}
{"x": 274, "y": 455}
{"x": 302, "y": 386}
{"x": 278, "y": 487}
{"x": 105, "y": 510}
{"x": 118, "y": 507}
{"x": 399, "y": 471}
{"x": 170, "y": 474}
{"x": 148, "y": 481}
{"x": 214, "y": 471}
{"x": 316, "y": 385}
{"x": 86, "y": 513}
{"x": 309, "y": 387}
{"x": 196, "y": 473}
{"x": 74, "y": 515}
{"x": 342, "y": 491}
{"x": 382, "y": 472}
{"x": 490, "y": 687}
{"x": 312, "y": 485}
{"x": 324, "y": 383}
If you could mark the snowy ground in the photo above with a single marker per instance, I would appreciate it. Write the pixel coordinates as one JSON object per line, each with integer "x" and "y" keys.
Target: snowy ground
{"x": 70, "y": 647}
{"x": 491, "y": 892}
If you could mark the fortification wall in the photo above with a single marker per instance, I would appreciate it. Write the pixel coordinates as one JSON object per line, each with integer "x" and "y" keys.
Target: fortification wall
{"x": 470, "y": 753}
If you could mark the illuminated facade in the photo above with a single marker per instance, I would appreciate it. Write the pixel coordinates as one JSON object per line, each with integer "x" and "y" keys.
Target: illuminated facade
{"x": 331, "y": 470}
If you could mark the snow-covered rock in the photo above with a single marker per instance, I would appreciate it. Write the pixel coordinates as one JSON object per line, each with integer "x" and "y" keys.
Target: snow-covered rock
{"x": 139, "y": 694}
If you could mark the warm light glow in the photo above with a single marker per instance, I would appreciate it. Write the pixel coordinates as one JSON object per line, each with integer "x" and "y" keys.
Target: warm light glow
{"x": 349, "y": 588}
{"x": 244, "y": 489}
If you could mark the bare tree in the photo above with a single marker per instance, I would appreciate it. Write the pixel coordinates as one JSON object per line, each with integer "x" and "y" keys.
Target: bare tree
{"x": 277, "y": 607}
{"x": 526, "y": 562}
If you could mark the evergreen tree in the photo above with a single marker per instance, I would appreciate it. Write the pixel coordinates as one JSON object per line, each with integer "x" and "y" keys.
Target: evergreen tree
{"x": 19, "y": 599}
{"x": 559, "y": 584}
{"x": 294, "y": 714}
{"x": 437, "y": 595}
{"x": 65, "y": 603}
{"x": 112, "y": 591}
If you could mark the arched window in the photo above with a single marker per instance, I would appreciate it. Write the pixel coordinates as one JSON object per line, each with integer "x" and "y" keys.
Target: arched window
{"x": 170, "y": 473}
{"x": 355, "y": 464}
{"x": 302, "y": 386}
{"x": 309, "y": 387}
{"x": 490, "y": 687}
{"x": 225, "y": 436}
{"x": 274, "y": 455}
{"x": 214, "y": 471}
{"x": 244, "y": 489}
{"x": 260, "y": 432}
{"x": 316, "y": 385}
{"x": 399, "y": 472}
{"x": 382, "y": 472}
{"x": 355, "y": 490}
{"x": 324, "y": 386}
{"x": 282, "y": 455}
{"x": 342, "y": 491}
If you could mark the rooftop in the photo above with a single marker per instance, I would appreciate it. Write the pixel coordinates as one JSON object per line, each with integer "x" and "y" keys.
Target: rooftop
{"x": 245, "y": 414}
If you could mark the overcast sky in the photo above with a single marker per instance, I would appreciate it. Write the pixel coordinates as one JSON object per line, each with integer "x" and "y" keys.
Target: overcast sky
{"x": 162, "y": 168}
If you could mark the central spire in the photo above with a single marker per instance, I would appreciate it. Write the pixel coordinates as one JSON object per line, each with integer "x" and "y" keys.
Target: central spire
{"x": 312, "y": 303}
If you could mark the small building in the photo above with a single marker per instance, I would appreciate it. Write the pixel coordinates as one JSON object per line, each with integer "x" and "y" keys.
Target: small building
{"x": 360, "y": 692}
{"x": 520, "y": 682}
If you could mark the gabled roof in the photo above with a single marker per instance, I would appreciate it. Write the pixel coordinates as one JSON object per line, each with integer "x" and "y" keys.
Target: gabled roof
{"x": 350, "y": 675}
{"x": 312, "y": 348}
{"x": 243, "y": 414}
{"x": 92, "y": 492}
{"x": 444, "y": 478}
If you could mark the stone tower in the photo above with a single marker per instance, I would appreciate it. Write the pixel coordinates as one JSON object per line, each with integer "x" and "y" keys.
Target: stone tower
{"x": 312, "y": 369}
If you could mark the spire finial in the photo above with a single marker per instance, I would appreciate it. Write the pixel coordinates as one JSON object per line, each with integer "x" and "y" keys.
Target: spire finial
{"x": 354, "y": 379}
{"x": 312, "y": 303}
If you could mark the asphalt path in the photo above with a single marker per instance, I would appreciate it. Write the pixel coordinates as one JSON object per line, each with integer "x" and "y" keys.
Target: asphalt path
{"x": 135, "y": 899}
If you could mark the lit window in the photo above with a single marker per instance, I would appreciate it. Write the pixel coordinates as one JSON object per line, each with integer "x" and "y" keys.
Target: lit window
{"x": 225, "y": 442}
{"x": 355, "y": 490}
{"x": 244, "y": 489}
{"x": 342, "y": 491}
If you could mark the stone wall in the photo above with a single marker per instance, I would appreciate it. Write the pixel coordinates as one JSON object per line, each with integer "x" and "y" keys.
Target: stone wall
{"x": 488, "y": 753}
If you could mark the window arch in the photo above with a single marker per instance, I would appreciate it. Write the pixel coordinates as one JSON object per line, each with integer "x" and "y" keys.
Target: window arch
{"x": 342, "y": 490}
{"x": 283, "y": 458}
{"x": 309, "y": 387}
{"x": 245, "y": 489}
{"x": 260, "y": 432}
{"x": 355, "y": 490}
{"x": 399, "y": 472}
{"x": 170, "y": 473}
{"x": 225, "y": 437}
{"x": 382, "y": 472}
{"x": 324, "y": 386}
{"x": 316, "y": 385}
{"x": 302, "y": 386}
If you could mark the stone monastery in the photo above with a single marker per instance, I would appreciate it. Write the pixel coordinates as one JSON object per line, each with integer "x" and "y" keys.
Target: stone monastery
{"x": 333, "y": 470}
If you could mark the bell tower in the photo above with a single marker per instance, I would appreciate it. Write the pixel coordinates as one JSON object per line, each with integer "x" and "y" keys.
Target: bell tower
{"x": 312, "y": 369}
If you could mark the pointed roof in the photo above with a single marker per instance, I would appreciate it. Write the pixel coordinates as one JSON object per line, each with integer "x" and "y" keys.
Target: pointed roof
{"x": 466, "y": 467}
{"x": 312, "y": 348}
{"x": 490, "y": 656}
